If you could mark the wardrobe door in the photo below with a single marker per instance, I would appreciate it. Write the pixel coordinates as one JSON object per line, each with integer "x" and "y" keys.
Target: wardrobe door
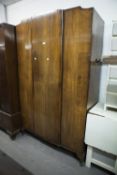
{"x": 77, "y": 47}
{"x": 4, "y": 96}
{"x": 25, "y": 73}
{"x": 46, "y": 46}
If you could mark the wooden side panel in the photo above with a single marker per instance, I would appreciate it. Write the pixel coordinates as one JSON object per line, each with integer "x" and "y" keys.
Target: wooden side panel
{"x": 46, "y": 42}
{"x": 77, "y": 53}
{"x": 97, "y": 37}
{"x": 96, "y": 55}
{"x": 94, "y": 84}
{"x": 25, "y": 73}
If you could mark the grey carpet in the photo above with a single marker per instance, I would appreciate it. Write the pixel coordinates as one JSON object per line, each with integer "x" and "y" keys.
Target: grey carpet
{"x": 9, "y": 167}
{"x": 42, "y": 159}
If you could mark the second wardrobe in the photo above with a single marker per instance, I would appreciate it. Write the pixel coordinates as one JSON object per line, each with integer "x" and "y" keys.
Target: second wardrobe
{"x": 54, "y": 57}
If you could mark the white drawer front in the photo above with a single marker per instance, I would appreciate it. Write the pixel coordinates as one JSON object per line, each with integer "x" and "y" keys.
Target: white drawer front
{"x": 101, "y": 132}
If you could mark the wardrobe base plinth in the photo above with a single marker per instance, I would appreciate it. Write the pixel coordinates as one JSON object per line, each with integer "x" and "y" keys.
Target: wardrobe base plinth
{"x": 10, "y": 123}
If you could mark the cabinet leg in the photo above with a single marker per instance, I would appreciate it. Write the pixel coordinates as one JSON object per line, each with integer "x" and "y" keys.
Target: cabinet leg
{"x": 13, "y": 137}
{"x": 116, "y": 166}
{"x": 22, "y": 131}
{"x": 105, "y": 107}
{"x": 81, "y": 157}
{"x": 89, "y": 156}
{"x": 82, "y": 163}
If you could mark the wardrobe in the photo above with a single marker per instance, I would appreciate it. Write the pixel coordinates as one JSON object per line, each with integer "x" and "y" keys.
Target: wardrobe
{"x": 9, "y": 96}
{"x": 59, "y": 58}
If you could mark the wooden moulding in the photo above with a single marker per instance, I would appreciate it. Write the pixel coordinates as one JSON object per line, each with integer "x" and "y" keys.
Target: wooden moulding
{"x": 110, "y": 60}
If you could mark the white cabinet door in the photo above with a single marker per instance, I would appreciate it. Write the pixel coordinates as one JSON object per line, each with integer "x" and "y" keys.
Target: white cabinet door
{"x": 101, "y": 133}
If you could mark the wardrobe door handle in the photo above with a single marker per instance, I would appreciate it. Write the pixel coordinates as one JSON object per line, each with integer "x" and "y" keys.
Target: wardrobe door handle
{"x": 48, "y": 59}
{"x": 35, "y": 58}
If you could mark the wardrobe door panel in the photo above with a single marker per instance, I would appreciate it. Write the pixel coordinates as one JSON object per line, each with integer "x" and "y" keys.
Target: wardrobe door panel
{"x": 77, "y": 47}
{"x": 4, "y": 96}
{"x": 46, "y": 46}
{"x": 25, "y": 73}
{"x": 46, "y": 43}
{"x": 11, "y": 67}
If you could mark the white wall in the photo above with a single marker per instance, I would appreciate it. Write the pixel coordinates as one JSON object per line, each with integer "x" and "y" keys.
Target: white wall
{"x": 2, "y": 14}
{"x": 106, "y": 8}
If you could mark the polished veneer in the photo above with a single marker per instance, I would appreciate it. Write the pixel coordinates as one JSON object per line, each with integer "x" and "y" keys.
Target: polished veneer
{"x": 40, "y": 75}
{"x": 47, "y": 66}
{"x": 59, "y": 74}
{"x": 25, "y": 74}
{"x": 9, "y": 98}
{"x": 81, "y": 73}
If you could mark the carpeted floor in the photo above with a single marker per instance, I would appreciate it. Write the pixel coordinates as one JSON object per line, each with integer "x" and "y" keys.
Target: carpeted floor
{"x": 40, "y": 158}
{"x": 9, "y": 167}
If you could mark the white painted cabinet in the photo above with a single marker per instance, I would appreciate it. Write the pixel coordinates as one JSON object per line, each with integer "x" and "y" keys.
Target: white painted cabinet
{"x": 111, "y": 89}
{"x": 101, "y": 133}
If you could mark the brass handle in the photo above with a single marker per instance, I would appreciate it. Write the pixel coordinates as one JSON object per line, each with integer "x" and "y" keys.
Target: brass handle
{"x": 43, "y": 43}
{"x": 47, "y": 58}
{"x": 35, "y": 58}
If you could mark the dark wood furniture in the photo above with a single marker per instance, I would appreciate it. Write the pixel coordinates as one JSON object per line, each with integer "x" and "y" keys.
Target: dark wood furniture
{"x": 9, "y": 103}
{"x": 47, "y": 66}
{"x": 40, "y": 75}
{"x": 59, "y": 72}
{"x": 83, "y": 35}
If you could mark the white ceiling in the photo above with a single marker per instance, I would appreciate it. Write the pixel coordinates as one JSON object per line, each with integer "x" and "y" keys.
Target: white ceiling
{"x": 8, "y": 2}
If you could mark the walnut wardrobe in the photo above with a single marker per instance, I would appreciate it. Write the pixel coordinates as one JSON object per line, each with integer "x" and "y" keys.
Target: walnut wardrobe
{"x": 59, "y": 73}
